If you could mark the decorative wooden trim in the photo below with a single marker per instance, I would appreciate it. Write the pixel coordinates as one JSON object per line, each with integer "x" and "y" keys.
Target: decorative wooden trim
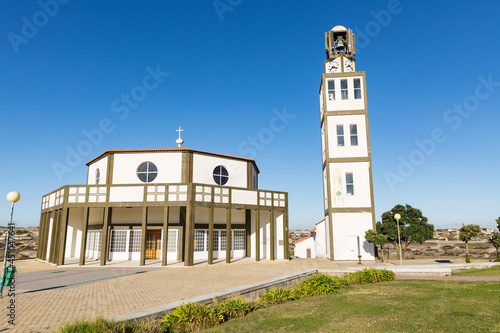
{"x": 273, "y": 242}
{"x": 164, "y": 249}
{"x": 257, "y": 234}
{"x": 248, "y": 225}
{"x": 83, "y": 245}
{"x": 64, "y": 229}
{"x": 104, "y": 235}
{"x": 144, "y": 229}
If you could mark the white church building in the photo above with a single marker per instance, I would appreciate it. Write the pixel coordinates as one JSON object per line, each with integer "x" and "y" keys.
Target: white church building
{"x": 180, "y": 204}
{"x": 170, "y": 205}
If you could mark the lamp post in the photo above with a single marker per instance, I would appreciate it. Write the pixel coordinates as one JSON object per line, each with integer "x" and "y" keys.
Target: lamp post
{"x": 397, "y": 217}
{"x": 12, "y": 197}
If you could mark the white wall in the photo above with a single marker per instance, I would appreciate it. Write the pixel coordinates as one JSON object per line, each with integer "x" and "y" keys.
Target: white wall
{"x": 300, "y": 249}
{"x": 237, "y": 216}
{"x": 323, "y": 144}
{"x": 361, "y": 150}
{"x": 346, "y": 228}
{"x": 49, "y": 239}
{"x": 320, "y": 239}
{"x": 102, "y": 165}
{"x": 255, "y": 178}
{"x": 96, "y": 216}
{"x": 327, "y": 233}
{"x": 125, "y": 167}
{"x": 126, "y": 194}
{"x": 204, "y": 165}
{"x": 349, "y": 104}
{"x": 280, "y": 244}
{"x": 74, "y": 233}
{"x": 361, "y": 177}
{"x": 264, "y": 234}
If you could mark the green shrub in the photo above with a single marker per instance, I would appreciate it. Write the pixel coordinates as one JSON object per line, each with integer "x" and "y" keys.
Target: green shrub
{"x": 319, "y": 284}
{"x": 235, "y": 308}
{"x": 370, "y": 275}
{"x": 108, "y": 326}
{"x": 467, "y": 259}
{"x": 277, "y": 296}
{"x": 194, "y": 316}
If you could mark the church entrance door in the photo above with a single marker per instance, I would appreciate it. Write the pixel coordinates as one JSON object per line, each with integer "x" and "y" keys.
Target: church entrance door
{"x": 153, "y": 244}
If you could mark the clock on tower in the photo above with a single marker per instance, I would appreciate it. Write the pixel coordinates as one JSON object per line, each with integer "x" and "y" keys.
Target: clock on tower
{"x": 346, "y": 155}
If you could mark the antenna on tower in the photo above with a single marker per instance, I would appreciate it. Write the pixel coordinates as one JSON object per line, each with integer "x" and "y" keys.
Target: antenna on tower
{"x": 179, "y": 141}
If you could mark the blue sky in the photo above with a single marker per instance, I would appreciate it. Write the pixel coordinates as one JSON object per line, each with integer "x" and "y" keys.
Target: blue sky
{"x": 226, "y": 68}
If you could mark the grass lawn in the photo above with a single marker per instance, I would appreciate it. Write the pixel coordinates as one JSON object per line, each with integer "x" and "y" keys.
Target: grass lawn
{"x": 490, "y": 271}
{"x": 399, "y": 306}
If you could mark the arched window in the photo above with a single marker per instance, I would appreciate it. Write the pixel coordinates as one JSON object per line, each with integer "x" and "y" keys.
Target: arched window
{"x": 97, "y": 176}
{"x": 147, "y": 172}
{"x": 221, "y": 176}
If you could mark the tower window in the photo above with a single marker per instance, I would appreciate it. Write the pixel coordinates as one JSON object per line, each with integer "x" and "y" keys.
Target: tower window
{"x": 349, "y": 181}
{"x": 343, "y": 89}
{"x": 147, "y": 172}
{"x": 357, "y": 88}
{"x": 331, "y": 90}
{"x": 354, "y": 134}
{"x": 221, "y": 176}
{"x": 340, "y": 135}
{"x": 97, "y": 176}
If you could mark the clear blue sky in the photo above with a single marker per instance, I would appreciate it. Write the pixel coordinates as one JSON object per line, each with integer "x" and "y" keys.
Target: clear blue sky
{"x": 229, "y": 67}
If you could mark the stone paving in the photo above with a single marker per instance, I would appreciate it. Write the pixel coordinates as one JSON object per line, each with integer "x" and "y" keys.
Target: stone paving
{"x": 45, "y": 310}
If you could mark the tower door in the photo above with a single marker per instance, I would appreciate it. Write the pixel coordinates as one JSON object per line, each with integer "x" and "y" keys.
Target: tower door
{"x": 153, "y": 244}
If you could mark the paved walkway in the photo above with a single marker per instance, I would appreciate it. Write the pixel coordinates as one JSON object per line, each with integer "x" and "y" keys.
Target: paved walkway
{"x": 116, "y": 289}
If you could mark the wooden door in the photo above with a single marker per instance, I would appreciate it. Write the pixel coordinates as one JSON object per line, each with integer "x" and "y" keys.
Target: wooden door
{"x": 153, "y": 244}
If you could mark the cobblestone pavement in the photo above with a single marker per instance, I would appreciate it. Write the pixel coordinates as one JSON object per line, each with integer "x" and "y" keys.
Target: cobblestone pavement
{"x": 45, "y": 310}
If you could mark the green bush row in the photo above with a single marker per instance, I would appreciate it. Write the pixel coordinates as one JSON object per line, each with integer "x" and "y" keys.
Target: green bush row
{"x": 195, "y": 316}
{"x": 322, "y": 284}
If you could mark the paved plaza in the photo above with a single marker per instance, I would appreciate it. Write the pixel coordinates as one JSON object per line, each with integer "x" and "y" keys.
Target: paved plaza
{"x": 49, "y": 296}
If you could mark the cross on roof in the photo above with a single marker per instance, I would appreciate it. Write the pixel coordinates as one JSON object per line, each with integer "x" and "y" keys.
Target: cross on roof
{"x": 179, "y": 141}
{"x": 179, "y": 130}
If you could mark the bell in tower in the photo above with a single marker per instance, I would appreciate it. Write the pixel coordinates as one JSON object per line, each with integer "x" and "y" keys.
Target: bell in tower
{"x": 339, "y": 40}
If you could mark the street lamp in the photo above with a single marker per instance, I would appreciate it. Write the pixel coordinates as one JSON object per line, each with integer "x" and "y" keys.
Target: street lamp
{"x": 12, "y": 197}
{"x": 397, "y": 217}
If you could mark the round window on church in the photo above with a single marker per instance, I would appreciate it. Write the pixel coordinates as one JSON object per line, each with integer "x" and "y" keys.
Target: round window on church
{"x": 147, "y": 172}
{"x": 221, "y": 176}
{"x": 97, "y": 176}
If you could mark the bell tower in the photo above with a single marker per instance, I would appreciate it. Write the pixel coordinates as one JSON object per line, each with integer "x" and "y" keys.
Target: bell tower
{"x": 346, "y": 156}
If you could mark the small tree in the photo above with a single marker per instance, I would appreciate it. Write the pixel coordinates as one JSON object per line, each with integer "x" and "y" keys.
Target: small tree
{"x": 467, "y": 232}
{"x": 413, "y": 226}
{"x": 377, "y": 239}
{"x": 495, "y": 241}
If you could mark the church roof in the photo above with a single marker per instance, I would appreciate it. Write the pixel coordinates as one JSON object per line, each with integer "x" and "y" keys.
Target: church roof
{"x": 161, "y": 150}
{"x": 300, "y": 240}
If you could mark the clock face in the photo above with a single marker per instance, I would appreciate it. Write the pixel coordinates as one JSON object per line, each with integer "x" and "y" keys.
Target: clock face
{"x": 348, "y": 65}
{"x": 332, "y": 66}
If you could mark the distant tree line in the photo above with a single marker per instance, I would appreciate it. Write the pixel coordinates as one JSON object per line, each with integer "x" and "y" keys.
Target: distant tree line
{"x": 414, "y": 228}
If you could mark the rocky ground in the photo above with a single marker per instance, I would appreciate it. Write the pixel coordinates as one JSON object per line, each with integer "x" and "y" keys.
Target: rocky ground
{"x": 26, "y": 240}
{"x": 444, "y": 244}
